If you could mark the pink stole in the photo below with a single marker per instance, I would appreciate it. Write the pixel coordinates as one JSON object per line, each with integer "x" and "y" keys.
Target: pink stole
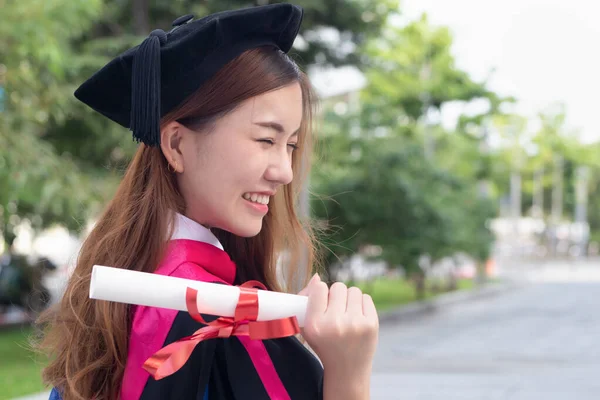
{"x": 199, "y": 261}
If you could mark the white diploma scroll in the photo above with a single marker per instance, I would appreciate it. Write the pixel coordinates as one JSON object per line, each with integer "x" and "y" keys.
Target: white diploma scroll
{"x": 153, "y": 290}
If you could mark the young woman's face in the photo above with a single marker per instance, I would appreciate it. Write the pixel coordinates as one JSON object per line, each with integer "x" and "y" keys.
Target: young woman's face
{"x": 230, "y": 173}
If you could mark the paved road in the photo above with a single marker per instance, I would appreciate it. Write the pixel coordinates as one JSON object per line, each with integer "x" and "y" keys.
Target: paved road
{"x": 541, "y": 341}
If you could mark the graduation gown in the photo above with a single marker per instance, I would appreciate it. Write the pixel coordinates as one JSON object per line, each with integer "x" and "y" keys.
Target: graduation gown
{"x": 221, "y": 368}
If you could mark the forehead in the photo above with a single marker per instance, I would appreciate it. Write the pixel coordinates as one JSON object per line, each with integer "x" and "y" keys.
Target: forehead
{"x": 283, "y": 105}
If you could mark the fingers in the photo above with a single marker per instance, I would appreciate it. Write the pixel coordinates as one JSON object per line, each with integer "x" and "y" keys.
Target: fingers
{"x": 318, "y": 299}
{"x": 369, "y": 309}
{"x": 338, "y": 297}
{"x": 354, "y": 303}
{"x": 306, "y": 290}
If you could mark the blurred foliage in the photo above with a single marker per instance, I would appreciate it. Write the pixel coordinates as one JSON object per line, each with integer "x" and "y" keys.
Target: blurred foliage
{"x": 416, "y": 58}
{"x": 540, "y": 152}
{"x": 38, "y": 68}
{"x": 60, "y": 161}
{"x": 377, "y": 186}
{"x": 389, "y": 293}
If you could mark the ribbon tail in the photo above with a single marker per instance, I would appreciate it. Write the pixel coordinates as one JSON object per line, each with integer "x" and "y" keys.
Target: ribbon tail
{"x": 284, "y": 327}
{"x": 172, "y": 357}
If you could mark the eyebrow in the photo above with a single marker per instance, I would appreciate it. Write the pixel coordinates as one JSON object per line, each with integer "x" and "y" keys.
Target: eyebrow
{"x": 276, "y": 126}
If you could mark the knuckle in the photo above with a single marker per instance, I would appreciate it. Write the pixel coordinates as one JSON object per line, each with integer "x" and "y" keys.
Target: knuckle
{"x": 358, "y": 327}
{"x": 335, "y": 328}
{"x": 365, "y": 328}
{"x": 314, "y": 327}
{"x": 311, "y": 330}
{"x": 373, "y": 324}
{"x": 373, "y": 327}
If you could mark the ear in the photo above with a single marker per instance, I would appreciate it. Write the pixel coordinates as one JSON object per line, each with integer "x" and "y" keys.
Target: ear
{"x": 170, "y": 144}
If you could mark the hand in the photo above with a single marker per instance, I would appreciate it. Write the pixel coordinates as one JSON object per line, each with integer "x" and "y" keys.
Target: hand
{"x": 341, "y": 326}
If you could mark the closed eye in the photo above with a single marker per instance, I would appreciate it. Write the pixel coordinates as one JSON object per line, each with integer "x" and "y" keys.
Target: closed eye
{"x": 294, "y": 146}
{"x": 270, "y": 141}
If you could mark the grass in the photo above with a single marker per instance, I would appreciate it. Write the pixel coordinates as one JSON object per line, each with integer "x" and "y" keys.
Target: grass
{"x": 20, "y": 370}
{"x": 388, "y": 293}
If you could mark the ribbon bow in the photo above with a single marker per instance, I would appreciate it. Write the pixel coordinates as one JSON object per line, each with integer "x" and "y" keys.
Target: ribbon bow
{"x": 172, "y": 357}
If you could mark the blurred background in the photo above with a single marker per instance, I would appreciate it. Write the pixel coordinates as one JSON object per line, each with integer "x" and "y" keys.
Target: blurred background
{"x": 455, "y": 178}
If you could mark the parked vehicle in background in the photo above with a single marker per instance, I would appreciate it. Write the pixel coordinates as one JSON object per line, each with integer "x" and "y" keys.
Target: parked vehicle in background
{"x": 21, "y": 283}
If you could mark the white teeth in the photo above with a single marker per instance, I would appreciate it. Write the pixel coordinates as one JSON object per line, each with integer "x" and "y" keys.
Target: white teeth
{"x": 263, "y": 199}
{"x": 257, "y": 198}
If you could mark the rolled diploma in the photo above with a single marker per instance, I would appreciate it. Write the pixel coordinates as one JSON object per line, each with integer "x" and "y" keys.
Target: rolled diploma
{"x": 153, "y": 290}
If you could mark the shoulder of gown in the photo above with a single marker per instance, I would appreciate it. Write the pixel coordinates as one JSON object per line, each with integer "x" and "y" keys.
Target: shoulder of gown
{"x": 228, "y": 369}
{"x": 152, "y": 328}
{"x": 236, "y": 367}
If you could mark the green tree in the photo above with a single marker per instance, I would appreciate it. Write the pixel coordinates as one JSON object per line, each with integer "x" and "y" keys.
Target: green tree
{"x": 60, "y": 160}
{"x": 36, "y": 74}
{"x": 394, "y": 198}
{"x": 411, "y": 69}
{"x": 124, "y": 24}
{"x": 378, "y": 186}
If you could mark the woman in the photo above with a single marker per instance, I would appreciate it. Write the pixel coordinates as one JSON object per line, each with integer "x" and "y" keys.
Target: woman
{"x": 223, "y": 116}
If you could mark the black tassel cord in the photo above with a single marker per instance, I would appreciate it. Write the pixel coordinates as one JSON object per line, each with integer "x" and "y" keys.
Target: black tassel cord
{"x": 145, "y": 90}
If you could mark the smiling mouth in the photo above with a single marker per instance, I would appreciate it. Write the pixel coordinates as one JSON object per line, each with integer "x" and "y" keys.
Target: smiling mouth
{"x": 257, "y": 198}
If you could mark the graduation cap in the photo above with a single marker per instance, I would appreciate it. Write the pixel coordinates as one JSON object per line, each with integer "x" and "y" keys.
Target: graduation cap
{"x": 146, "y": 82}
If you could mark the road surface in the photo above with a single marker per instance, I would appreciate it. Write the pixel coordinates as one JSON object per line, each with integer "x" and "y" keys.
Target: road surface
{"x": 541, "y": 341}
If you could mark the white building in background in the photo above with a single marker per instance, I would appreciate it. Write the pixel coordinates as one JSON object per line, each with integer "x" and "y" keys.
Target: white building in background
{"x": 331, "y": 82}
{"x": 56, "y": 243}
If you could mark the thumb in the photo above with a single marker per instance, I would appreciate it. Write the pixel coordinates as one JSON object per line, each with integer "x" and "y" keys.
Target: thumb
{"x": 306, "y": 290}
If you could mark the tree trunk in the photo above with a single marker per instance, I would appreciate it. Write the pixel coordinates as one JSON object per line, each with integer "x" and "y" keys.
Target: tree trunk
{"x": 480, "y": 273}
{"x": 452, "y": 283}
{"x": 141, "y": 16}
{"x": 419, "y": 280}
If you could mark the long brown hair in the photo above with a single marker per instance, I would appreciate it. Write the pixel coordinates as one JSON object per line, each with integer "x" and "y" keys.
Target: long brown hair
{"x": 87, "y": 340}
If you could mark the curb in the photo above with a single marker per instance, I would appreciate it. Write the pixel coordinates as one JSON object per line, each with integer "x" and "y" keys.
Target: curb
{"x": 36, "y": 396}
{"x": 431, "y": 306}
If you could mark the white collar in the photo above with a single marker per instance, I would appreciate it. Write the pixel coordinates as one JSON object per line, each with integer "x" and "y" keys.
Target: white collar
{"x": 186, "y": 228}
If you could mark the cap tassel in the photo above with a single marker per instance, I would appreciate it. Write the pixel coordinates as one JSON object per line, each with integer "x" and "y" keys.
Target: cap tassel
{"x": 145, "y": 90}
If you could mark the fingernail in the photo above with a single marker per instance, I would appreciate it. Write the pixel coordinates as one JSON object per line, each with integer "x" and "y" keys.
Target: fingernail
{"x": 315, "y": 277}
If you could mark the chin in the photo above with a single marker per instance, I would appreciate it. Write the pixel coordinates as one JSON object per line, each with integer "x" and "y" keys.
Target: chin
{"x": 247, "y": 230}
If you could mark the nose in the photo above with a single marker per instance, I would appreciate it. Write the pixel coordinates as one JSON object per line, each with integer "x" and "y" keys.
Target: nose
{"x": 280, "y": 168}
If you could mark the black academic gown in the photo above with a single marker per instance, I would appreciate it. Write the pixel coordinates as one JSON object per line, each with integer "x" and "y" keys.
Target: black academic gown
{"x": 232, "y": 368}
{"x": 224, "y": 368}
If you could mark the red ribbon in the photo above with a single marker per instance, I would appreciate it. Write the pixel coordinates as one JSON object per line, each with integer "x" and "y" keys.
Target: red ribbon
{"x": 172, "y": 357}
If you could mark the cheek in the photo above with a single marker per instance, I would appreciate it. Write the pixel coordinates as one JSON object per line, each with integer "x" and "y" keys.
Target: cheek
{"x": 194, "y": 179}
{"x": 226, "y": 172}
{"x": 246, "y": 165}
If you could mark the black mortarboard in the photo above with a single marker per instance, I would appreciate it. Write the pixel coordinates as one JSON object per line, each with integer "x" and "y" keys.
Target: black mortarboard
{"x": 144, "y": 83}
